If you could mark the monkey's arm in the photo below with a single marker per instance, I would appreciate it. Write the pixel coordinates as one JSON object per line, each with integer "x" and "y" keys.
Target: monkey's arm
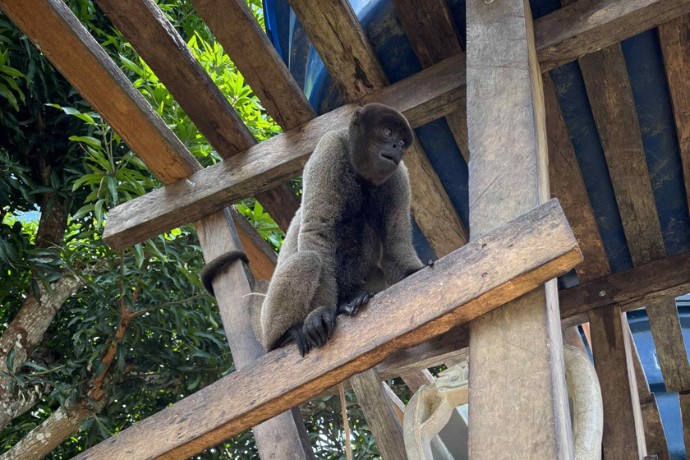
{"x": 399, "y": 256}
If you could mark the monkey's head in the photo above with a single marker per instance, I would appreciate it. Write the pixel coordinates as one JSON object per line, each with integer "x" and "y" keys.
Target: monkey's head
{"x": 378, "y": 135}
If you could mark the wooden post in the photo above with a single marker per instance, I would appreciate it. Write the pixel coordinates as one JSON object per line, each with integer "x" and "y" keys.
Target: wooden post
{"x": 518, "y": 401}
{"x": 283, "y": 436}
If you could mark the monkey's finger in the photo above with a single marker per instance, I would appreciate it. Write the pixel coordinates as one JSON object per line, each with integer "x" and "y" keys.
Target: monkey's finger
{"x": 430, "y": 263}
{"x": 301, "y": 342}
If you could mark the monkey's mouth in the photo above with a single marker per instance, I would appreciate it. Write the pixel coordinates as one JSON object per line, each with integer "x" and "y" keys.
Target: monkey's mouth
{"x": 390, "y": 157}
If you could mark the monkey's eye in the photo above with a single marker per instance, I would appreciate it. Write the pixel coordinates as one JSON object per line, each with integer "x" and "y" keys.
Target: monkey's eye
{"x": 387, "y": 132}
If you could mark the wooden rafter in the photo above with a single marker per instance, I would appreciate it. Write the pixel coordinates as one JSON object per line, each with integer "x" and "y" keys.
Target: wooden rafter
{"x": 463, "y": 285}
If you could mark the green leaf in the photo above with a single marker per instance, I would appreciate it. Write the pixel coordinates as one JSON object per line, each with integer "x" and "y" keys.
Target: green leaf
{"x": 9, "y": 360}
{"x": 88, "y": 140}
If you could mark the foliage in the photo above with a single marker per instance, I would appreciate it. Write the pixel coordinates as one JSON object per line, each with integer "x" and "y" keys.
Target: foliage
{"x": 174, "y": 342}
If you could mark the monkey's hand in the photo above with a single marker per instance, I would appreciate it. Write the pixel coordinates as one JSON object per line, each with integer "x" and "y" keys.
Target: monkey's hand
{"x": 352, "y": 306}
{"x": 319, "y": 326}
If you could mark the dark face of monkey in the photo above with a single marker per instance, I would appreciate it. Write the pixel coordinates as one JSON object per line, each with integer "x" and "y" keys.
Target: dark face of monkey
{"x": 379, "y": 135}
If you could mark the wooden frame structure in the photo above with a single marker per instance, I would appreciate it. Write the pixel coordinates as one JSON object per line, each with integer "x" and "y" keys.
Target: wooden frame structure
{"x": 502, "y": 78}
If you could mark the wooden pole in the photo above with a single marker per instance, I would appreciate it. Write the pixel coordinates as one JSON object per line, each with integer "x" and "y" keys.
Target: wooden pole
{"x": 518, "y": 400}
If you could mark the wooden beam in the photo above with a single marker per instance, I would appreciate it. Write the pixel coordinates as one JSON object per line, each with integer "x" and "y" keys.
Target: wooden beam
{"x": 568, "y": 186}
{"x": 610, "y": 96}
{"x": 267, "y": 163}
{"x": 623, "y": 430}
{"x": 508, "y": 173}
{"x": 279, "y": 436}
{"x": 480, "y": 276}
{"x": 75, "y": 53}
{"x": 586, "y": 26}
{"x": 685, "y": 417}
{"x": 635, "y": 288}
{"x": 653, "y": 428}
{"x": 337, "y": 35}
{"x": 249, "y": 48}
{"x": 381, "y": 419}
{"x": 674, "y": 37}
{"x": 433, "y": 34}
{"x": 669, "y": 343}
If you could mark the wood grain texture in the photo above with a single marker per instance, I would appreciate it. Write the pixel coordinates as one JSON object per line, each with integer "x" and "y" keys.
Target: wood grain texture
{"x": 655, "y": 437}
{"x": 52, "y": 26}
{"x": 278, "y": 437}
{"x": 381, "y": 418}
{"x": 335, "y": 32}
{"x": 623, "y": 429}
{"x": 674, "y": 37}
{"x": 634, "y": 288}
{"x": 610, "y": 96}
{"x": 508, "y": 173}
{"x": 669, "y": 344}
{"x": 337, "y": 35}
{"x": 586, "y": 26}
{"x": 469, "y": 282}
{"x": 415, "y": 379}
{"x": 568, "y": 186}
{"x": 249, "y": 48}
{"x": 432, "y": 32}
{"x": 685, "y": 415}
{"x": 270, "y": 162}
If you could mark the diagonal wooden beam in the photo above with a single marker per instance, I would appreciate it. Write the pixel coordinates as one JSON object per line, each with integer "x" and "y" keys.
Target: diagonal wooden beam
{"x": 432, "y": 32}
{"x": 568, "y": 186}
{"x": 585, "y": 26}
{"x": 337, "y": 35}
{"x": 476, "y": 278}
{"x": 670, "y": 346}
{"x": 434, "y": 90}
{"x": 674, "y": 37}
{"x": 52, "y": 26}
{"x": 610, "y": 96}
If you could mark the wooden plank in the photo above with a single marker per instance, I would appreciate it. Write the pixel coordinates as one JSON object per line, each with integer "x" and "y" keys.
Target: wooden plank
{"x": 278, "y": 437}
{"x": 586, "y": 26}
{"x": 623, "y": 431}
{"x": 274, "y": 160}
{"x": 669, "y": 343}
{"x": 415, "y": 379}
{"x": 568, "y": 186}
{"x": 60, "y": 36}
{"x": 635, "y": 288}
{"x": 610, "y": 96}
{"x": 335, "y": 32}
{"x": 246, "y": 43}
{"x": 381, "y": 420}
{"x": 395, "y": 403}
{"x": 674, "y": 37}
{"x": 432, "y": 32}
{"x": 655, "y": 437}
{"x": 478, "y": 277}
{"x": 508, "y": 173}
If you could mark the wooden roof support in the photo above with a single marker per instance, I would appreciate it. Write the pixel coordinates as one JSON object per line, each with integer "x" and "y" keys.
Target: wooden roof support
{"x": 670, "y": 346}
{"x": 432, "y": 32}
{"x": 64, "y": 40}
{"x": 612, "y": 348}
{"x": 674, "y": 37}
{"x": 161, "y": 46}
{"x": 422, "y": 97}
{"x": 500, "y": 266}
{"x": 335, "y": 32}
{"x": 685, "y": 414}
{"x": 610, "y": 96}
{"x": 585, "y": 26}
{"x": 508, "y": 173}
{"x": 568, "y": 186}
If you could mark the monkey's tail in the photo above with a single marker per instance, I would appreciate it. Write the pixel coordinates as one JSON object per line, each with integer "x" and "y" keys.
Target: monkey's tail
{"x": 346, "y": 425}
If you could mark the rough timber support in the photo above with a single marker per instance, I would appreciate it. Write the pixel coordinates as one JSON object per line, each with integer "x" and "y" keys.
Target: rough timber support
{"x": 467, "y": 283}
{"x": 518, "y": 346}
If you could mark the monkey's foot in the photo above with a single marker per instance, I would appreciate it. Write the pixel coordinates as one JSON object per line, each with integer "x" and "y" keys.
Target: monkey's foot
{"x": 351, "y": 307}
{"x": 294, "y": 334}
{"x": 319, "y": 326}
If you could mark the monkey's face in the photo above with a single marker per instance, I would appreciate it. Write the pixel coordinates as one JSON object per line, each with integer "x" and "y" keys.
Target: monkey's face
{"x": 379, "y": 136}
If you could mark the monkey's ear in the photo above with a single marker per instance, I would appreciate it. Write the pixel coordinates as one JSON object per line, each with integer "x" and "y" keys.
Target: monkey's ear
{"x": 357, "y": 116}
